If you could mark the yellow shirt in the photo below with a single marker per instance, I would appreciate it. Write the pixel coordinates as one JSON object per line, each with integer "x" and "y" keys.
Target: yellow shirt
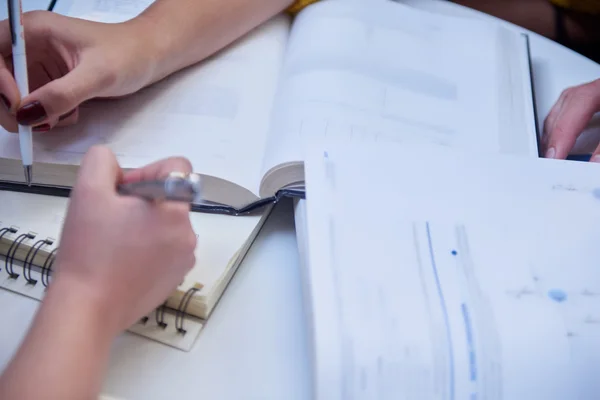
{"x": 299, "y": 5}
{"x": 584, "y": 6}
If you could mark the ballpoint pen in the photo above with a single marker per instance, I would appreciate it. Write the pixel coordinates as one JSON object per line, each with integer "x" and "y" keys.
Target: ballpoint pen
{"x": 176, "y": 187}
{"x": 17, "y": 32}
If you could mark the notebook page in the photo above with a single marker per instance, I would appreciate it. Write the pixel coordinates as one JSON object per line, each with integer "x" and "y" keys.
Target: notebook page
{"x": 475, "y": 277}
{"x": 215, "y": 113}
{"x": 385, "y": 72}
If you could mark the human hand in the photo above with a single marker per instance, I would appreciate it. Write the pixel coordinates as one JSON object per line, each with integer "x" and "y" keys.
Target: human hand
{"x": 70, "y": 61}
{"x": 568, "y": 118}
{"x": 125, "y": 254}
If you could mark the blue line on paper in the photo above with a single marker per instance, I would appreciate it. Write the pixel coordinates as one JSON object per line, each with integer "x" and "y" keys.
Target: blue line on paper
{"x": 557, "y": 295}
{"x": 470, "y": 346}
{"x": 454, "y": 252}
{"x": 444, "y": 311}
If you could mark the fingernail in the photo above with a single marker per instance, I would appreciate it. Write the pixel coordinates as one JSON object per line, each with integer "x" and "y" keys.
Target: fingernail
{"x": 551, "y": 152}
{"x": 5, "y": 101}
{"x": 596, "y": 158}
{"x": 41, "y": 128}
{"x": 31, "y": 114}
{"x": 67, "y": 115}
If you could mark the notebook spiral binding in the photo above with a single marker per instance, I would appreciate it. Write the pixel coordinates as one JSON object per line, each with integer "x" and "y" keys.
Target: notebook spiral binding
{"x": 27, "y": 269}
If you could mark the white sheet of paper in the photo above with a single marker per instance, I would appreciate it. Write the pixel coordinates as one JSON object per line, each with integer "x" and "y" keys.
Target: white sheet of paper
{"x": 471, "y": 277}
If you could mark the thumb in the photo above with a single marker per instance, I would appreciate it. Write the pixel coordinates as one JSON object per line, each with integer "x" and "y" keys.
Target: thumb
{"x": 60, "y": 96}
{"x": 99, "y": 172}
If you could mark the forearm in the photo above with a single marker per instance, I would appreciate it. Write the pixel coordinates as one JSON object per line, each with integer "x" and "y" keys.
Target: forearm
{"x": 184, "y": 32}
{"x": 65, "y": 353}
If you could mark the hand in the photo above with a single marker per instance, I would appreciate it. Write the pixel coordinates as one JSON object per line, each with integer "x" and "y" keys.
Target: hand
{"x": 70, "y": 61}
{"x": 124, "y": 253}
{"x": 568, "y": 118}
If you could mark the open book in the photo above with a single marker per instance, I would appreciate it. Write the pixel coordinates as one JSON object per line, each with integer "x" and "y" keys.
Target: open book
{"x": 481, "y": 282}
{"x": 358, "y": 71}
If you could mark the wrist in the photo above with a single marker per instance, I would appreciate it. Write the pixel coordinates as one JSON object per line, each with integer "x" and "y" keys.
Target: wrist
{"x": 66, "y": 350}
{"x": 78, "y": 303}
{"x": 158, "y": 45}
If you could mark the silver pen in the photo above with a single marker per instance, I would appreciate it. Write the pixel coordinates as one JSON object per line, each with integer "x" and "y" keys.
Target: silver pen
{"x": 19, "y": 58}
{"x": 176, "y": 187}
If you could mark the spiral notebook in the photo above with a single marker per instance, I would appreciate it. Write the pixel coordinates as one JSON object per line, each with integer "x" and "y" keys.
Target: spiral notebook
{"x": 31, "y": 224}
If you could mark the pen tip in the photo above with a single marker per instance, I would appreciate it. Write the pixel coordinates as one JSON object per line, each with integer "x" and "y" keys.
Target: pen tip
{"x": 28, "y": 174}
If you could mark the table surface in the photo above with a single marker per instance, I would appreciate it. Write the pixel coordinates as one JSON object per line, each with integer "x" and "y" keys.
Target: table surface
{"x": 258, "y": 349}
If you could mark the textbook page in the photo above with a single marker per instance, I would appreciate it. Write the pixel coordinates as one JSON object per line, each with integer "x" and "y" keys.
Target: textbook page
{"x": 386, "y": 72}
{"x": 477, "y": 277}
{"x": 215, "y": 113}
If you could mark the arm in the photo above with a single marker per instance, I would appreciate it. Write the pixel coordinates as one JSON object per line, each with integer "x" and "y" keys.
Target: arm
{"x": 74, "y": 60}
{"x": 65, "y": 353}
{"x": 184, "y": 32}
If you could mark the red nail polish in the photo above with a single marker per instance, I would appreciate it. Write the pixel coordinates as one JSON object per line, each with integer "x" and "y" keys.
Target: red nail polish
{"x": 41, "y": 128}
{"x": 31, "y": 114}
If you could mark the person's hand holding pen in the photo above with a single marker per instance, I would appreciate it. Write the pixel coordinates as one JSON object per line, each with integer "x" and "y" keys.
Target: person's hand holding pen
{"x": 73, "y": 60}
{"x": 119, "y": 258}
{"x": 70, "y": 61}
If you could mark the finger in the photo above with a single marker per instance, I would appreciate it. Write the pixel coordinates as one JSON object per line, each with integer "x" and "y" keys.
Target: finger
{"x": 35, "y": 32}
{"x": 576, "y": 112}
{"x": 99, "y": 171}
{"x": 8, "y": 122}
{"x": 550, "y": 120}
{"x": 39, "y": 26}
{"x": 62, "y": 95}
{"x": 158, "y": 170}
{"x": 596, "y": 155}
{"x": 10, "y": 101}
{"x": 9, "y": 92}
{"x": 69, "y": 118}
{"x": 46, "y": 126}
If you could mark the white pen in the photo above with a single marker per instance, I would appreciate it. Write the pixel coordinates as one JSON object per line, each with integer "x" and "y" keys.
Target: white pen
{"x": 17, "y": 32}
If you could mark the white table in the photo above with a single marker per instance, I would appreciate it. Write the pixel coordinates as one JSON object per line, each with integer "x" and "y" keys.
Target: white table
{"x": 255, "y": 346}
